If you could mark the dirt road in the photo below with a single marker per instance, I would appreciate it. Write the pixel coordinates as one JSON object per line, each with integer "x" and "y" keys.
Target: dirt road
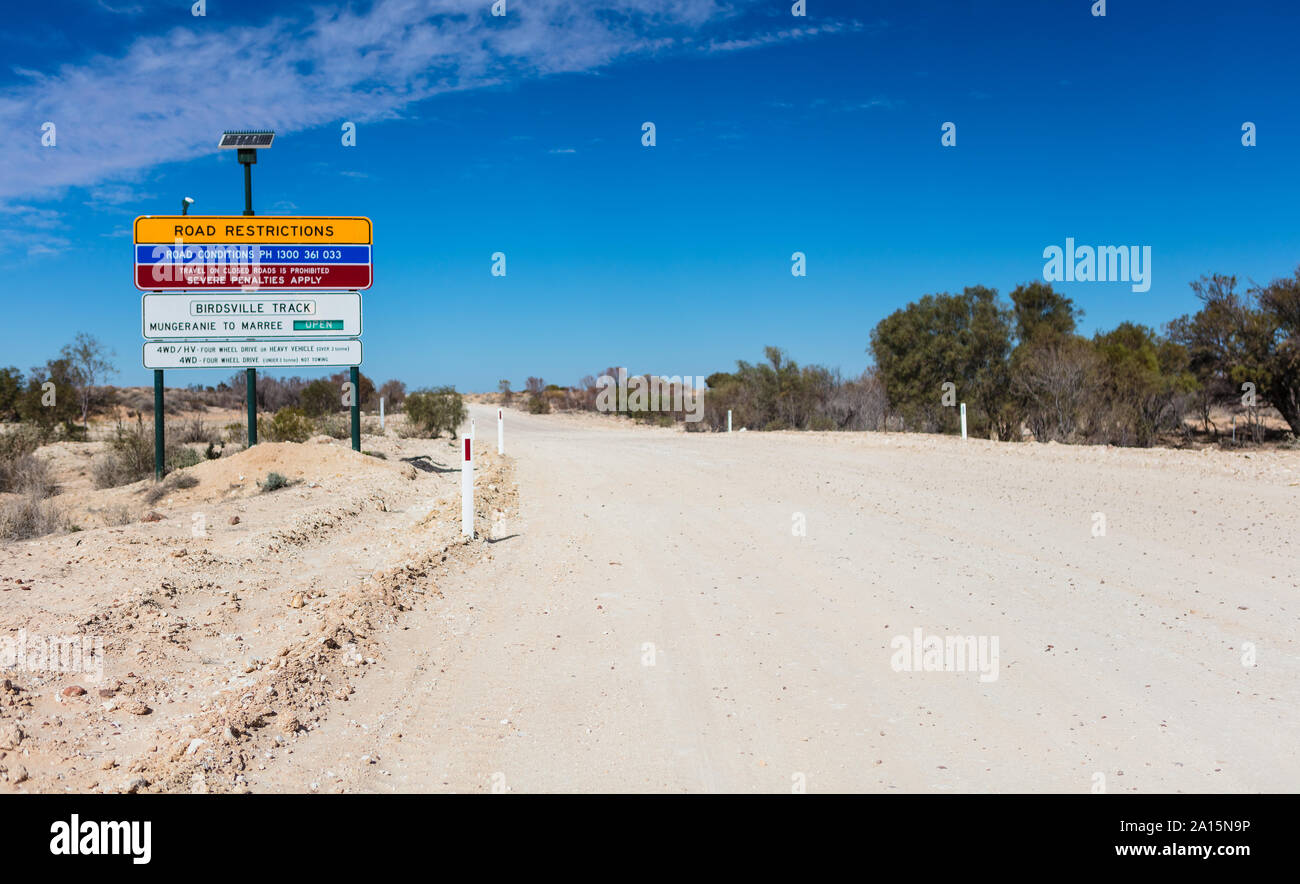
{"x": 656, "y": 620}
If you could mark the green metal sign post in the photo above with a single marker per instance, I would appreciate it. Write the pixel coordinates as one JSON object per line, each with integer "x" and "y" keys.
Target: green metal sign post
{"x": 354, "y": 375}
{"x": 159, "y": 434}
{"x": 252, "y": 407}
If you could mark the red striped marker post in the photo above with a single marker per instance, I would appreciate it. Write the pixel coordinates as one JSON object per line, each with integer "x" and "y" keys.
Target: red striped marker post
{"x": 501, "y": 432}
{"x": 467, "y": 490}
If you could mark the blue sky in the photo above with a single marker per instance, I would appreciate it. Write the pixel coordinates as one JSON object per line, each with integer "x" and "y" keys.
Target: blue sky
{"x": 775, "y": 134}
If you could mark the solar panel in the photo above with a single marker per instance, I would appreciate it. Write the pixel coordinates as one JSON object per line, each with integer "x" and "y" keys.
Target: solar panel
{"x": 252, "y": 138}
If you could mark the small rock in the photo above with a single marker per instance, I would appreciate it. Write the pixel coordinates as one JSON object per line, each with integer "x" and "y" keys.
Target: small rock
{"x": 296, "y": 602}
{"x": 234, "y": 520}
{"x": 135, "y": 784}
{"x": 135, "y": 707}
{"x": 10, "y": 737}
{"x": 74, "y": 690}
{"x": 194, "y": 746}
{"x": 151, "y": 516}
{"x": 17, "y": 774}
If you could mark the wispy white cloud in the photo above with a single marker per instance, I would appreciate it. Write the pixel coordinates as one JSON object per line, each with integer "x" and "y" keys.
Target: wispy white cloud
{"x": 121, "y": 9}
{"x": 782, "y": 35}
{"x": 166, "y": 97}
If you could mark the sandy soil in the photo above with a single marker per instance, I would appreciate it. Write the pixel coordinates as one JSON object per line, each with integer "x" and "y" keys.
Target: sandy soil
{"x": 651, "y": 622}
{"x": 231, "y": 625}
{"x": 647, "y": 615}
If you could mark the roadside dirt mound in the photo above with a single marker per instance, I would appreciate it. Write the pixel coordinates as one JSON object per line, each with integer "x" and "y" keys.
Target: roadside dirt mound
{"x": 328, "y": 465}
{"x": 225, "y": 632}
{"x": 317, "y": 461}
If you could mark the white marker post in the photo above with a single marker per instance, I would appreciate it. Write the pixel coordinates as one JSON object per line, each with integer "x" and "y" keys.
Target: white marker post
{"x": 381, "y": 414}
{"x": 728, "y": 420}
{"x": 467, "y": 490}
{"x": 963, "y": 420}
{"x": 501, "y": 432}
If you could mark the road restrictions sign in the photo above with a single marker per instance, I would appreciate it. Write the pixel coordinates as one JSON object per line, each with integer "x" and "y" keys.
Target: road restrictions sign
{"x": 251, "y": 354}
{"x": 196, "y": 316}
{"x": 252, "y": 253}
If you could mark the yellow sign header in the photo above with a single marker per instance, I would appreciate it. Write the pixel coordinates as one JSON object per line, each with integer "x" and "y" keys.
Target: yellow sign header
{"x": 253, "y": 229}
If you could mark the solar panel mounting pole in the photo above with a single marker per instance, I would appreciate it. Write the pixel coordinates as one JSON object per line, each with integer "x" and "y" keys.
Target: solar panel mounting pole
{"x": 247, "y": 143}
{"x": 247, "y": 157}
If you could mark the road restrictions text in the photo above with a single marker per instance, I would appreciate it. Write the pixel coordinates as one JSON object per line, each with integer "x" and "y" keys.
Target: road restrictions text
{"x": 238, "y": 253}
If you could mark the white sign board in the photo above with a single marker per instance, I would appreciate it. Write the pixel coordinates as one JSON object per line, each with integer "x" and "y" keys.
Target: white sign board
{"x": 197, "y": 316}
{"x": 251, "y": 354}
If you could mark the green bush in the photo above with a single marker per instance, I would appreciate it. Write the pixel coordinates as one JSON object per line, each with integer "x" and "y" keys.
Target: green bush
{"x": 289, "y": 424}
{"x": 274, "y": 482}
{"x": 182, "y": 456}
{"x": 432, "y": 411}
{"x": 319, "y": 398}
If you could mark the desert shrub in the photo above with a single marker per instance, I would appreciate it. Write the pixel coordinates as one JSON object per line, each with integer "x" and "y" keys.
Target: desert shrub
{"x": 117, "y": 514}
{"x": 27, "y": 516}
{"x": 404, "y": 430}
{"x": 236, "y": 434}
{"x": 172, "y": 483}
{"x": 274, "y": 482}
{"x": 432, "y": 411}
{"x": 319, "y": 398}
{"x": 11, "y": 388}
{"x": 16, "y": 447}
{"x": 130, "y": 457}
{"x": 29, "y": 474}
{"x": 181, "y": 456}
{"x": 539, "y": 404}
{"x": 394, "y": 393}
{"x": 72, "y": 433}
{"x": 289, "y": 424}
{"x": 335, "y": 426}
{"x": 196, "y": 431}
